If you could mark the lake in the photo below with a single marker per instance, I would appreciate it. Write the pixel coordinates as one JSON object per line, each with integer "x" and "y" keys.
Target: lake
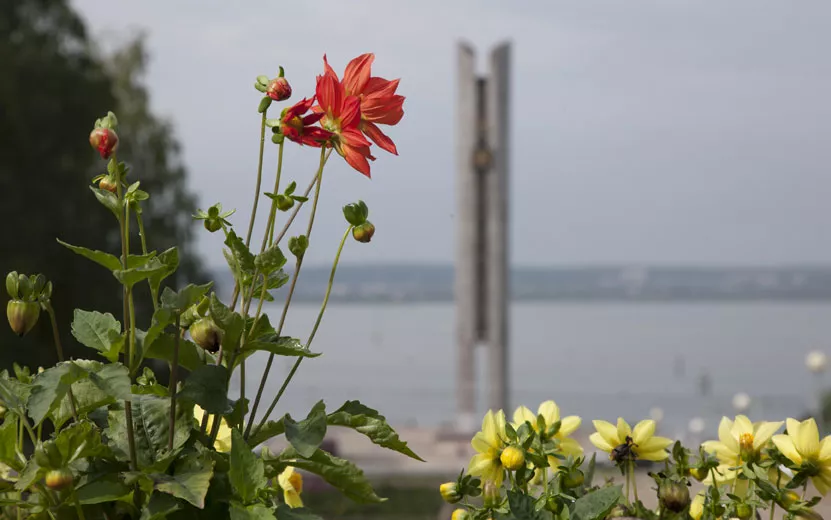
{"x": 595, "y": 360}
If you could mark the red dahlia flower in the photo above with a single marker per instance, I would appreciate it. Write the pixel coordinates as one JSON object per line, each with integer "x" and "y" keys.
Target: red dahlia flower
{"x": 299, "y": 128}
{"x": 341, "y": 115}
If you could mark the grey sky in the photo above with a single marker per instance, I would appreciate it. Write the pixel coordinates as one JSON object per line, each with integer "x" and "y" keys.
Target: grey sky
{"x": 644, "y": 131}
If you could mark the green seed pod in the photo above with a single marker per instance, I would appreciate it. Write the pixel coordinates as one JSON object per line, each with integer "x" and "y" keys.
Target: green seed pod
{"x": 573, "y": 479}
{"x": 23, "y": 316}
{"x": 206, "y": 334}
{"x": 284, "y": 202}
{"x": 744, "y": 511}
{"x": 364, "y": 232}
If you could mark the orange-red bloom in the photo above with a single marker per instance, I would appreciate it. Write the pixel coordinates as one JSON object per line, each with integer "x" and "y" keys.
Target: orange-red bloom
{"x": 297, "y": 127}
{"x": 379, "y": 102}
{"x": 341, "y": 115}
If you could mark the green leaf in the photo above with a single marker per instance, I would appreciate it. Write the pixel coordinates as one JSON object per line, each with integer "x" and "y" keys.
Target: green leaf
{"x": 239, "y": 258}
{"x": 252, "y": 512}
{"x": 338, "y": 472}
{"x": 131, "y": 276}
{"x": 185, "y": 298}
{"x": 283, "y": 346}
{"x": 307, "y": 434}
{"x": 597, "y": 504}
{"x": 14, "y": 393}
{"x": 191, "y": 356}
{"x": 190, "y": 480}
{"x": 270, "y": 260}
{"x": 79, "y": 441}
{"x": 30, "y": 474}
{"x": 50, "y": 387}
{"x": 159, "y": 507}
{"x": 104, "y": 385}
{"x": 231, "y": 323}
{"x": 8, "y": 442}
{"x": 107, "y": 260}
{"x": 101, "y": 332}
{"x": 285, "y": 512}
{"x": 206, "y": 386}
{"x": 365, "y": 420}
{"x": 522, "y": 507}
{"x": 269, "y": 430}
{"x": 107, "y": 489}
{"x": 150, "y": 424}
{"x": 247, "y": 473}
{"x": 170, "y": 262}
{"x": 108, "y": 200}
{"x": 276, "y": 279}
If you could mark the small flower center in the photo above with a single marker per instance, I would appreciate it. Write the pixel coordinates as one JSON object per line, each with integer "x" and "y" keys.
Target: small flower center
{"x": 746, "y": 443}
{"x": 295, "y": 123}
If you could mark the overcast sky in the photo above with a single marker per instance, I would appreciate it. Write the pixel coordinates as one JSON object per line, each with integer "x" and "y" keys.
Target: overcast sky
{"x": 662, "y": 131}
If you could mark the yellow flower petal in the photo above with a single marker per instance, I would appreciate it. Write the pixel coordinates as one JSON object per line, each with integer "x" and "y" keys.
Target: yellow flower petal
{"x": 609, "y": 433}
{"x": 792, "y": 427}
{"x": 600, "y": 441}
{"x": 785, "y": 444}
{"x": 550, "y": 412}
{"x": 763, "y": 432}
{"x": 623, "y": 429}
{"x": 808, "y": 441}
{"x": 479, "y": 443}
{"x": 741, "y": 425}
{"x": 722, "y": 452}
{"x": 822, "y": 481}
{"x": 489, "y": 430}
{"x": 697, "y": 506}
{"x": 643, "y": 431}
{"x": 499, "y": 422}
{"x": 569, "y": 425}
{"x": 725, "y": 435}
{"x": 571, "y": 447}
{"x": 480, "y": 464}
{"x": 654, "y": 443}
{"x": 523, "y": 414}
{"x": 657, "y": 455}
{"x": 825, "y": 450}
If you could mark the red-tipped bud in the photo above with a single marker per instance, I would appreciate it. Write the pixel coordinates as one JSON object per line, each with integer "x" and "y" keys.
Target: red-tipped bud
{"x": 364, "y": 232}
{"x": 108, "y": 183}
{"x": 58, "y": 478}
{"x": 278, "y": 89}
{"x": 206, "y": 334}
{"x": 22, "y": 316}
{"x": 104, "y": 140}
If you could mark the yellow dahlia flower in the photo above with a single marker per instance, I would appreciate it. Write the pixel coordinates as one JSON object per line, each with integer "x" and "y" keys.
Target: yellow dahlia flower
{"x": 738, "y": 441}
{"x": 551, "y": 414}
{"x": 489, "y": 444}
{"x": 803, "y": 446}
{"x": 642, "y": 440}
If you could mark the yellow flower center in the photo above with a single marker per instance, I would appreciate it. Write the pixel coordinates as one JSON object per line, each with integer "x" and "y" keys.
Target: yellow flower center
{"x": 295, "y": 123}
{"x": 296, "y": 481}
{"x": 746, "y": 442}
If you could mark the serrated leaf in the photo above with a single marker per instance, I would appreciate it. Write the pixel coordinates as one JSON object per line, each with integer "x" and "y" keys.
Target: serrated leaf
{"x": 79, "y": 441}
{"x": 190, "y": 479}
{"x": 522, "y": 507}
{"x": 50, "y": 387}
{"x": 104, "y": 385}
{"x": 305, "y": 436}
{"x": 150, "y": 424}
{"x": 596, "y": 504}
{"x": 185, "y": 298}
{"x": 108, "y": 200}
{"x": 270, "y": 260}
{"x": 247, "y": 473}
{"x": 253, "y": 512}
{"x": 8, "y": 442}
{"x": 231, "y": 323}
{"x": 107, "y": 260}
{"x": 130, "y": 277}
{"x": 101, "y": 332}
{"x": 160, "y": 506}
{"x": 206, "y": 386}
{"x": 276, "y": 279}
{"x": 191, "y": 356}
{"x": 338, "y": 472}
{"x": 269, "y": 430}
{"x": 108, "y": 489}
{"x": 369, "y": 422}
{"x": 243, "y": 260}
{"x": 13, "y": 393}
{"x": 285, "y": 512}
{"x": 30, "y": 474}
{"x": 170, "y": 261}
{"x": 283, "y": 346}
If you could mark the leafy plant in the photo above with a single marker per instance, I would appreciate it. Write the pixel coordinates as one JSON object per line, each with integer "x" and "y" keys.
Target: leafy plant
{"x": 125, "y": 446}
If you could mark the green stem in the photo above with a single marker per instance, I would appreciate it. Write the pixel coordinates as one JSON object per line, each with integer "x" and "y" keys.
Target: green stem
{"x": 268, "y": 239}
{"x": 28, "y": 428}
{"x": 634, "y": 479}
{"x": 174, "y": 374}
{"x": 627, "y": 486}
{"x": 773, "y": 500}
{"x": 314, "y": 330}
{"x": 78, "y": 505}
{"x": 256, "y": 200}
{"x": 154, "y": 294}
{"x": 59, "y": 348}
{"x": 128, "y": 404}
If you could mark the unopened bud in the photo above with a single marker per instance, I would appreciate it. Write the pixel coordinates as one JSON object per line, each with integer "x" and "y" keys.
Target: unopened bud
{"x": 108, "y": 183}
{"x": 744, "y": 511}
{"x": 460, "y": 514}
{"x": 298, "y": 246}
{"x": 278, "y": 89}
{"x": 213, "y": 224}
{"x": 698, "y": 474}
{"x": 674, "y": 496}
{"x": 512, "y": 458}
{"x": 450, "y": 492}
{"x": 58, "y": 478}
{"x": 284, "y": 202}
{"x": 22, "y": 316}
{"x": 490, "y": 494}
{"x": 105, "y": 140}
{"x": 206, "y": 334}
{"x": 619, "y": 511}
{"x": 787, "y": 498}
{"x": 364, "y": 232}
{"x": 574, "y": 478}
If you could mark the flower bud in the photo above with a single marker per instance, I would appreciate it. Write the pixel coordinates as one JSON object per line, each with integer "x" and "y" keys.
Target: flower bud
{"x": 2, "y": 411}
{"x": 460, "y": 514}
{"x": 278, "y": 89}
{"x": 213, "y": 224}
{"x": 206, "y": 334}
{"x": 364, "y": 232}
{"x": 619, "y": 511}
{"x": 698, "y": 474}
{"x": 491, "y": 494}
{"x": 512, "y": 458}
{"x": 674, "y": 496}
{"x": 450, "y": 492}
{"x": 284, "y": 202}
{"x": 744, "y": 511}
{"x": 298, "y": 246}
{"x": 787, "y": 498}
{"x": 574, "y": 478}
{"x": 22, "y": 316}
{"x": 108, "y": 183}
{"x": 58, "y": 478}
{"x": 105, "y": 140}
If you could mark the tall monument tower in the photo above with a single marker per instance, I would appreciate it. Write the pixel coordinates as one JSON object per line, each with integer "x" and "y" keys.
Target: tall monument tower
{"x": 482, "y": 150}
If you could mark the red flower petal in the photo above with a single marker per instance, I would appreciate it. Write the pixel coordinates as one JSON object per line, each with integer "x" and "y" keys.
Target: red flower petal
{"x": 330, "y": 95}
{"x": 357, "y": 74}
{"x": 380, "y": 87}
{"x": 357, "y": 158}
{"x": 378, "y": 137}
{"x": 353, "y": 137}
{"x": 327, "y": 70}
{"x": 385, "y": 111}
{"x": 350, "y": 116}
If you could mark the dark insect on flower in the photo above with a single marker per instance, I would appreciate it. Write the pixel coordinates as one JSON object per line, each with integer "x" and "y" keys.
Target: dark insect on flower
{"x": 623, "y": 452}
